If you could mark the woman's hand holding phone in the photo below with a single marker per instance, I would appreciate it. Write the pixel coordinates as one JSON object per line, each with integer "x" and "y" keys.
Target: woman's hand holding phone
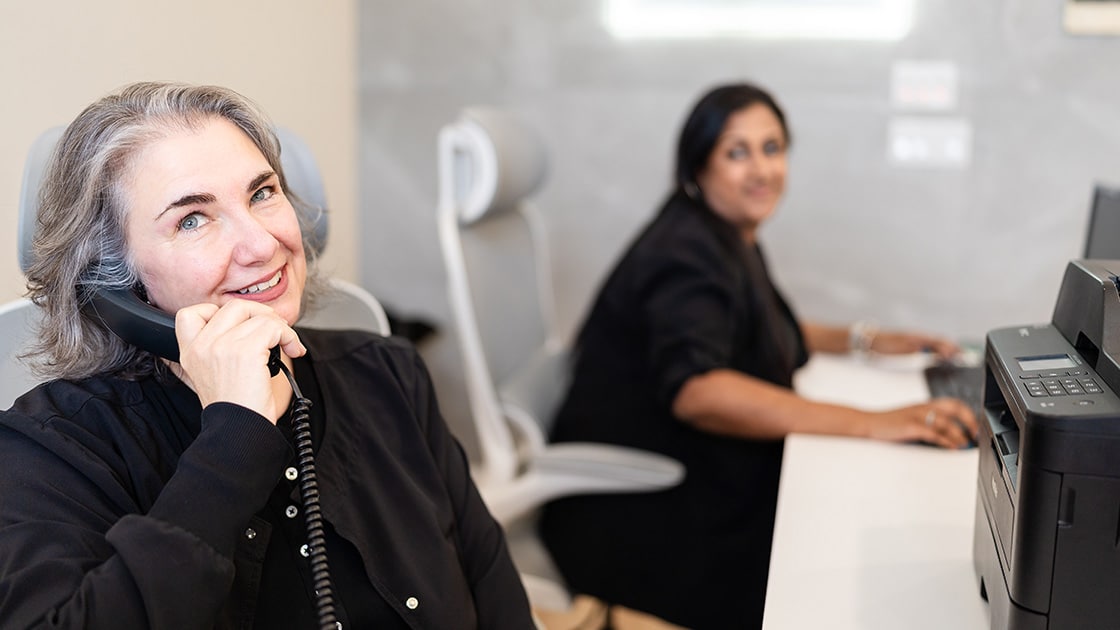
{"x": 224, "y": 353}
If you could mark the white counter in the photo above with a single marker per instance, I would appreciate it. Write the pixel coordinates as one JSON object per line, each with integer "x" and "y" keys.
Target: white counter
{"x": 871, "y": 535}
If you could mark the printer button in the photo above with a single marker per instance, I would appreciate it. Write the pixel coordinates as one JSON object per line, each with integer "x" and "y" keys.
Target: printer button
{"x": 1053, "y": 387}
{"x": 1090, "y": 386}
{"x": 1085, "y": 402}
{"x": 1026, "y": 376}
{"x": 1077, "y": 372}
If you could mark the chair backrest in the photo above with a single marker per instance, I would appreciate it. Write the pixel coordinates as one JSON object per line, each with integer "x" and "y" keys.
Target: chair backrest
{"x": 18, "y": 319}
{"x": 499, "y": 280}
{"x": 345, "y": 306}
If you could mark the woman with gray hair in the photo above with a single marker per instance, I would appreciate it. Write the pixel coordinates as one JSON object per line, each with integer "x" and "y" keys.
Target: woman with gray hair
{"x": 177, "y": 489}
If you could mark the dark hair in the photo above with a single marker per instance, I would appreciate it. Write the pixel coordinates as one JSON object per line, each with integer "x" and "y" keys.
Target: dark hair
{"x": 706, "y": 121}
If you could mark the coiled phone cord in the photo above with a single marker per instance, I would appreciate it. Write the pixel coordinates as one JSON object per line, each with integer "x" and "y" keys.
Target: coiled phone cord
{"x": 309, "y": 492}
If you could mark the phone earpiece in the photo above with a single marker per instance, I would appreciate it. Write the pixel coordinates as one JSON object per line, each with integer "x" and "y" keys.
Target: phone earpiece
{"x": 130, "y": 318}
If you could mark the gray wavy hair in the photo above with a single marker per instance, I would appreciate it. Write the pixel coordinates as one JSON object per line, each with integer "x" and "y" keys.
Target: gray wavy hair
{"x": 80, "y": 241}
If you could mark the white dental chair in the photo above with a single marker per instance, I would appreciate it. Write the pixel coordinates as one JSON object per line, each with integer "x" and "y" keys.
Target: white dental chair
{"x": 515, "y": 366}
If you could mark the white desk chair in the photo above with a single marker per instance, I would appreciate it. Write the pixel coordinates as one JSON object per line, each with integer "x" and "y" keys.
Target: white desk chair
{"x": 516, "y": 369}
{"x": 345, "y": 306}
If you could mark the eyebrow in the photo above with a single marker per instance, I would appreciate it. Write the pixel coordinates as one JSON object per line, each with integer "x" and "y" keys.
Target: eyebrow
{"x": 200, "y": 198}
{"x": 261, "y": 178}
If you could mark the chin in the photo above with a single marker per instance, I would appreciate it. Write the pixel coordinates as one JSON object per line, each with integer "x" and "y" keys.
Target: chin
{"x": 288, "y": 312}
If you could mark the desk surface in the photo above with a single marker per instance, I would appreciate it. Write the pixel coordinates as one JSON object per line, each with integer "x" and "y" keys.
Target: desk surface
{"x": 869, "y": 534}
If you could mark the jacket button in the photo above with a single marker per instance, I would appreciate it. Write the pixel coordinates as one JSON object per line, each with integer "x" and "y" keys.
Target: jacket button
{"x": 412, "y": 603}
{"x": 291, "y": 511}
{"x": 291, "y": 473}
{"x": 305, "y": 551}
{"x": 250, "y": 533}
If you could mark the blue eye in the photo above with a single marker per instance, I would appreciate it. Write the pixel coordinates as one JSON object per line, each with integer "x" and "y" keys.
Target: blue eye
{"x": 191, "y": 221}
{"x": 738, "y": 153}
{"x": 263, "y": 194}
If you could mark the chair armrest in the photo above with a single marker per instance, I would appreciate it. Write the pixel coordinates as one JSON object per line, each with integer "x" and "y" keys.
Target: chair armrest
{"x": 574, "y": 468}
{"x": 608, "y": 465}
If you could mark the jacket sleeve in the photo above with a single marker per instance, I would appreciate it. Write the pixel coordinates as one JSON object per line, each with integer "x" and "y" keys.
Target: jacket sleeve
{"x": 499, "y": 596}
{"x": 688, "y": 306}
{"x": 74, "y": 551}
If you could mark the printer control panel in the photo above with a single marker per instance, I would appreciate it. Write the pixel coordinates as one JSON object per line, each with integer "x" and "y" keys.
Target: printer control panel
{"x": 1073, "y": 382}
{"x": 1051, "y": 377}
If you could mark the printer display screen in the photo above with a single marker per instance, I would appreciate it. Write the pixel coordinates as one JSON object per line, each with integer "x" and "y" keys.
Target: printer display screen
{"x": 1047, "y": 362}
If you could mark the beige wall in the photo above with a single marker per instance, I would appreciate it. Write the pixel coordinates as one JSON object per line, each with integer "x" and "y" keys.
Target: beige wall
{"x": 297, "y": 59}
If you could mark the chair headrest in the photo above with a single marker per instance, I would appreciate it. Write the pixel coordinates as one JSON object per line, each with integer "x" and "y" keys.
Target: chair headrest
{"x": 495, "y": 161}
{"x": 300, "y": 171}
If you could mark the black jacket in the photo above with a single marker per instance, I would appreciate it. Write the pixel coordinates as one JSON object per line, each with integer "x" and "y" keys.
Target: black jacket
{"x": 687, "y": 297}
{"x": 121, "y": 506}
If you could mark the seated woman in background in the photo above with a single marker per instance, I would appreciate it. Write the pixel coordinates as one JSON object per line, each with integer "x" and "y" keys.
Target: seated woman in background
{"x": 142, "y": 492}
{"x": 690, "y": 350}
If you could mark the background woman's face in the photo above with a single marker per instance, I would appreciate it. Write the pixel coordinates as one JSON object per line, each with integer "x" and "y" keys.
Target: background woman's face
{"x": 208, "y": 222}
{"x": 745, "y": 175}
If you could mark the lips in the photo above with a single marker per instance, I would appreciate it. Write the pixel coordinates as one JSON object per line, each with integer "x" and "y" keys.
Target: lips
{"x": 261, "y": 286}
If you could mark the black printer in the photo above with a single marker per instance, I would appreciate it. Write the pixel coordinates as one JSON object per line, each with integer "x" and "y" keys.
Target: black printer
{"x": 1046, "y": 545}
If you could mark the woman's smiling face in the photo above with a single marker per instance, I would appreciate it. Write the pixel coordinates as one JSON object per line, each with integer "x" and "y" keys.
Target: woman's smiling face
{"x": 207, "y": 221}
{"x": 745, "y": 175}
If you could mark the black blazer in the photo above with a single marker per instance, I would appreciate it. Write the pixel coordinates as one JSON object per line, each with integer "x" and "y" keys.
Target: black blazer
{"x": 687, "y": 297}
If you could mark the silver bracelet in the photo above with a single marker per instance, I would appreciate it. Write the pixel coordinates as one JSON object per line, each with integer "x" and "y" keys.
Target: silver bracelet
{"x": 861, "y": 335}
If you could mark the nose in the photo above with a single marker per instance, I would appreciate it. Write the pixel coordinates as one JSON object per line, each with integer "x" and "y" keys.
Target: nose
{"x": 253, "y": 242}
{"x": 763, "y": 165}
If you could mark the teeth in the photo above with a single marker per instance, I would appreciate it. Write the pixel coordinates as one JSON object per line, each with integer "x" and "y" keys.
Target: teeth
{"x": 257, "y": 288}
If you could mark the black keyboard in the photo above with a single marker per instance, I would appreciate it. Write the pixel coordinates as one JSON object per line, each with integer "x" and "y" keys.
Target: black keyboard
{"x": 966, "y": 383}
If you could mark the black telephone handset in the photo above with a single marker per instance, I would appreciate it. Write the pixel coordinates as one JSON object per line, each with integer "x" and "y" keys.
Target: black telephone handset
{"x": 145, "y": 326}
{"x": 148, "y": 328}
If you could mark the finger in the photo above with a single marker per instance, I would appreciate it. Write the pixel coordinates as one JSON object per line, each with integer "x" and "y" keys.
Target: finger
{"x": 960, "y": 412}
{"x": 249, "y": 343}
{"x": 936, "y": 434}
{"x": 929, "y": 428}
{"x": 944, "y": 348}
{"x": 261, "y": 322}
{"x": 950, "y": 430}
{"x": 290, "y": 343}
{"x": 949, "y": 349}
{"x": 189, "y": 322}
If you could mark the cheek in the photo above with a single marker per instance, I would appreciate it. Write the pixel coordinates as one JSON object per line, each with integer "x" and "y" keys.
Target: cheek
{"x": 284, "y": 227}
{"x": 780, "y": 182}
{"x": 175, "y": 281}
{"x": 782, "y": 172}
